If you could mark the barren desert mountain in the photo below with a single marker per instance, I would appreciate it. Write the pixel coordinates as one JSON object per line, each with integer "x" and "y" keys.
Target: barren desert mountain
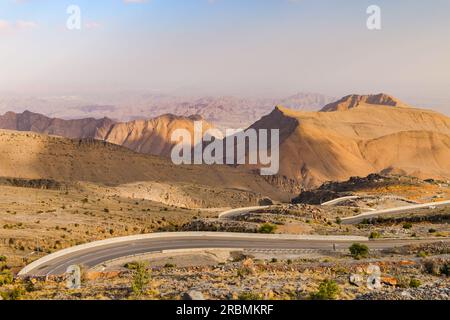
{"x": 28, "y": 155}
{"x": 353, "y": 101}
{"x": 151, "y": 136}
{"x": 145, "y": 136}
{"x": 316, "y": 147}
{"x": 223, "y": 111}
{"x": 29, "y": 121}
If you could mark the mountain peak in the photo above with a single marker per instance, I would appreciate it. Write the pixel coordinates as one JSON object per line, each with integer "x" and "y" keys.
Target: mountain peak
{"x": 354, "y": 100}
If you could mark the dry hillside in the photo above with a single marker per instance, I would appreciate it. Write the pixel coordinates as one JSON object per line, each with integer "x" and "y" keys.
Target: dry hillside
{"x": 37, "y": 156}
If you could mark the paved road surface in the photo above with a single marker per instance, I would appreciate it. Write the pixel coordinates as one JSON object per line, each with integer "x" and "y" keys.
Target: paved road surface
{"x": 400, "y": 210}
{"x": 94, "y": 256}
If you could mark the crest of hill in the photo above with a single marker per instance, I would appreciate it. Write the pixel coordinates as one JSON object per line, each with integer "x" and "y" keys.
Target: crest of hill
{"x": 316, "y": 147}
{"x": 354, "y": 101}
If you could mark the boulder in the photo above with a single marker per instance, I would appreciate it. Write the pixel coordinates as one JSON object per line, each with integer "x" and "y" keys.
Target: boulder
{"x": 356, "y": 279}
{"x": 193, "y": 295}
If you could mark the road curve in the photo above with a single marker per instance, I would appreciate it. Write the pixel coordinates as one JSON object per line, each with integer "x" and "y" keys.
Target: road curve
{"x": 96, "y": 253}
{"x": 237, "y": 212}
{"x": 399, "y": 210}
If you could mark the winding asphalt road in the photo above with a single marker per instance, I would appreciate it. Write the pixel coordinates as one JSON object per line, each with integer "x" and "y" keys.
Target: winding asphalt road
{"x": 97, "y": 255}
{"x": 394, "y": 211}
{"x": 353, "y": 219}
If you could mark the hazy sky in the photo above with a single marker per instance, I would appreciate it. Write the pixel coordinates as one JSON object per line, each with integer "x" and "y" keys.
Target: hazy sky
{"x": 249, "y": 47}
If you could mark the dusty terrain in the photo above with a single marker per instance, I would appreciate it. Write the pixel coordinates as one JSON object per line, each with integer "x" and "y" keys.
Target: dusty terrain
{"x": 37, "y": 156}
{"x": 57, "y": 192}
{"x": 404, "y": 275}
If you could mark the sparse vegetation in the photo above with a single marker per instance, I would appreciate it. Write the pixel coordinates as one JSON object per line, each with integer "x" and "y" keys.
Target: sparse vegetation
{"x": 328, "y": 290}
{"x": 415, "y": 283}
{"x": 407, "y": 225}
{"x": 267, "y": 228}
{"x": 359, "y": 251}
{"x": 141, "y": 278}
{"x": 6, "y": 277}
{"x": 374, "y": 235}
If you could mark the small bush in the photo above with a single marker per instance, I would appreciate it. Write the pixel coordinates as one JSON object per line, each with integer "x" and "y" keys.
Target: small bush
{"x": 169, "y": 265}
{"x": 359, "y": 251}
{"x": 432, "y": 230}
{"x": 415, "y": 283}
{"x": 3, "y": 259}
{"x": 6, "y": 277}
{"x": 141, "y": 278}
{"x": 407, "y": 225}
{"x": 328, "y": 290}
{"x": 249, "y": 296}
{"x": 13, "y": 294}
{"x": 267, "y": 228}
{"x": 374, "y": 235}
{"x": 422, "y": 254}
{"x": 338, "y": 220}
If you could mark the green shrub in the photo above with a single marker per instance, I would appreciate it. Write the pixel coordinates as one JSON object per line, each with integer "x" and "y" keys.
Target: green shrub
{"x": 6, "y": 277}
{"x": 338, "y": 220}
{"x": 328, "y": 290}
{"x": 131, "y": 265}
{"x": 407, "y": 225}
{"x": 141, "y": 278}
{"x": 374, "y": 235}
{"x": 422, "y": 254}
{"x": 249, "y": 296}
{"x": 415, "y": 283}
{"x": 267, "y": 228}
{"x": 169, "y": 265}
{"x": 13, "y": 294}
{"x": 359, "y": 251}
{"x": 3, "y": 259}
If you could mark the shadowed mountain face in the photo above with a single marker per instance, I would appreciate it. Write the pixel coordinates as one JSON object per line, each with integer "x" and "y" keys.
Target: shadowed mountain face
{"x": 29, "y": 121}
{"x": 359, "y": 135}
{"x": 26, "y": 155}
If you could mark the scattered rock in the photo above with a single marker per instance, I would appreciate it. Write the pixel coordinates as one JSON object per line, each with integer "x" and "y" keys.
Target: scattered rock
{"x": 390, "y": 281}
{"x": 193, "y": 295}
{"x": 356, "y": 279}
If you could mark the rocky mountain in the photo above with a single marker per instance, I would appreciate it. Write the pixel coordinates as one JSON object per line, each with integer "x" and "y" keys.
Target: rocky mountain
{"x": 151, "y": 136}
{"x": 353, "y": 101}
{"x": 360, "y": 135}
{"x": 145, "y": 136}
{"x": 29, "y": 121}
{"x": 223, "y": 111}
